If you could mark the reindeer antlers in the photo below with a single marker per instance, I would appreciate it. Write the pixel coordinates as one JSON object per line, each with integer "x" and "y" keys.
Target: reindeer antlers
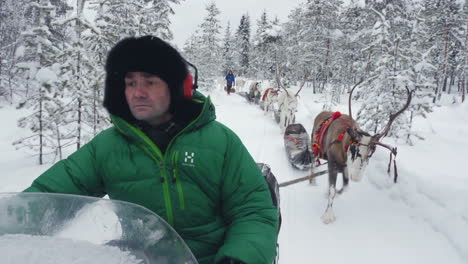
{"x": 302, "y": 83}
{"x": 278, "y": 79}
{"x": 394, "y": 116}
{"x": 351, "y": 94}
{"x": 280, "y": 84}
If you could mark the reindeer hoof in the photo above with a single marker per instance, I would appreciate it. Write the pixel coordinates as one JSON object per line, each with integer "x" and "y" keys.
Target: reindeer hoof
{"x": 328, "y": 217}
{"x": 343, "y": 189}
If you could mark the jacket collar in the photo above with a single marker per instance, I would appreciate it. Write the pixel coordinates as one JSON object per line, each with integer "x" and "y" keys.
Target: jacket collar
{"x": 197, "y": 112}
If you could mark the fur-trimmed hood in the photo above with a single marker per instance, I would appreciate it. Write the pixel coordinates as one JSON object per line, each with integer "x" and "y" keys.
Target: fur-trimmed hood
{"x": 146, "y": 54}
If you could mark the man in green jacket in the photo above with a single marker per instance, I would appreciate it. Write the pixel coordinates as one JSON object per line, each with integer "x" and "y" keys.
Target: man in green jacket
{"x": 166, "y": 152}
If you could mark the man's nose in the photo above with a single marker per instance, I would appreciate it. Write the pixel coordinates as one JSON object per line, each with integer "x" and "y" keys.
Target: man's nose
{"x": 140, "y": 89}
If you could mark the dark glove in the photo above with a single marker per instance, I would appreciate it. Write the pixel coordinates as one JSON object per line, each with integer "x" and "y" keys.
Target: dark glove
{"x": 231, "y": 261}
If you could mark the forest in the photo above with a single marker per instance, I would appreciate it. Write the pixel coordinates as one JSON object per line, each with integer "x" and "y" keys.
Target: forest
{"x": 52, "y": 57}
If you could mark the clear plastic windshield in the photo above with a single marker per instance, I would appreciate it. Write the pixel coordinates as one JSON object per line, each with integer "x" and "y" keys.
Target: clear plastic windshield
{"x": 59, "y": 228}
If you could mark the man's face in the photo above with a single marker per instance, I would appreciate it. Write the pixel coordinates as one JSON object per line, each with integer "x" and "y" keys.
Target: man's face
{"x": 148, "y": 97}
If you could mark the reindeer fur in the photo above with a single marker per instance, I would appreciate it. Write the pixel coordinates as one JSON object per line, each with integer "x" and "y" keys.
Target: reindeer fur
{"x": 287, "y": 106}
{"x": 269, "y": 98}
{"x": 254, "y": 92}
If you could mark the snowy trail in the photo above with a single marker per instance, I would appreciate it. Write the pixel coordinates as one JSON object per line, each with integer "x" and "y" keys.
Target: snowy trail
{"x": 376, "y": 219}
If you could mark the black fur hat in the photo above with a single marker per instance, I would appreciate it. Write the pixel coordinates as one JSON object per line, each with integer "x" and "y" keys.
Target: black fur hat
{"x": 144, "y": 54}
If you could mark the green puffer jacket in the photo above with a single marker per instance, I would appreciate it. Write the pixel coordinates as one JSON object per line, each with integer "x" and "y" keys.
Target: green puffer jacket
{"x": 206, "y": 185}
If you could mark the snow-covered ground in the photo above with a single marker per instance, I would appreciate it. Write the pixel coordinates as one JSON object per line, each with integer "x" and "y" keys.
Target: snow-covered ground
{"x": 421, "y": 219}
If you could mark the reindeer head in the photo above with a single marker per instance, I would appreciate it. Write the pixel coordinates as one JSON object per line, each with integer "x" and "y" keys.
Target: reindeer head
{"x": 359, "y": 152}
{"x": 364, "y": 145}
{"x": 288, "y": 99}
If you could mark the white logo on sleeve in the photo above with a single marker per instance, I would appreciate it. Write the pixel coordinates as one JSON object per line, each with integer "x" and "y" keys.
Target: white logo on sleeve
{"x": 189, "y": 159}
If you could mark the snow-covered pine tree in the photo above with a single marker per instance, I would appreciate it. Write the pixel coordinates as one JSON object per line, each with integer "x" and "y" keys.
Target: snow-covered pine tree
{"x": 155, "y": 18}
{"x": 299, "y": 54}
{"x": 192, "y": 46}
{"x": 259, "y": 65}
{"x": 210, "y": 49}
{"x": 97, "y": 43}
{"x": 321, "y": 20}
{"x": 77, "y": 69}
{"x": 227, "y": 50}
{"x": 389, "y": 74}
{"x": 463, "y": 80}
{"x": 350, "y": 61}
{"x": 40, "y": 72}
{"x": 446, "y": 20}
{"x": 193, "y": 52}
{"x": 420, "y": 72}
{"x": 243, "y": 45}
{"x": 12, "y": 22}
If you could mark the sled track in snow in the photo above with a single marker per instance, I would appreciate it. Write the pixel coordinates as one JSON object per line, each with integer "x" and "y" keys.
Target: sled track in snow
{"x": 424, "y": 204}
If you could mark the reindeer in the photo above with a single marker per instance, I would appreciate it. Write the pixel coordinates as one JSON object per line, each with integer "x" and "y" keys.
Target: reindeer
{"x": 346, "y": 147}
{"x": 269, "y": 99}
{"x": 287, "y": 104}
{"x": 254, "y": 92}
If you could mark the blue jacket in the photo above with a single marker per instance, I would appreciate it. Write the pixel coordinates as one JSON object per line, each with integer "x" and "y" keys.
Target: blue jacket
{"x": 230, "y": 78}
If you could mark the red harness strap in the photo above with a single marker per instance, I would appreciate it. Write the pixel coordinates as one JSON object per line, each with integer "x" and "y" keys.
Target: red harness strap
{"x": 317, "y": 151}
{"x": 350, "y": 142}
{"x": 269, "y": 90}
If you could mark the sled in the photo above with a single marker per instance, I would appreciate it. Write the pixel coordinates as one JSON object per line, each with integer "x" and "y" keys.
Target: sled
{"x": 272, "y": 185}
{"x": 297, "y": 145}
{"x": 243, "y": 94}
{"x": 275, "y": 196}
{"x": 74, "y": 223}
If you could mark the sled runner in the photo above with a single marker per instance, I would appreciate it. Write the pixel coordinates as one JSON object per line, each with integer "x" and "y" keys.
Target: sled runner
{"x": 297, "y": 145}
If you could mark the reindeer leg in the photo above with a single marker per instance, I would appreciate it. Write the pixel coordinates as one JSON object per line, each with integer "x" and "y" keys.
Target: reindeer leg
{"x": 285, "y": 124}
{"x": 281, "y": 119}
{"x": 312, "y": 181}
{"x": 288, "y": 119}
{"x": 345, "y": 181}
{"x": 328, "y": 216}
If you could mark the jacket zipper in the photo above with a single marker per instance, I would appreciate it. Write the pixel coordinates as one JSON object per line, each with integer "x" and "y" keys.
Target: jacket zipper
{"x": 176, "y": 179}
{"x": 162, "y": 169}
{"x": 165, "y": 184}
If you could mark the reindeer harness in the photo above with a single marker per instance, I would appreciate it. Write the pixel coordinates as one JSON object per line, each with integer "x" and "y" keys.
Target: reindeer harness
{"x": 269, "y": 90}
{"x": 317, "y": 150}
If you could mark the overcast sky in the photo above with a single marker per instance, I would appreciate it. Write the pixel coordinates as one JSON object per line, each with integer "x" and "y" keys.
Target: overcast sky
{"x": 190, "y": 13}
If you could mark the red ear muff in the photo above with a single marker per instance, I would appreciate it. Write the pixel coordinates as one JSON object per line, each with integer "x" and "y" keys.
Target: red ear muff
{"x": 188, "y": 86}
{"x": 189, "y": 83}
